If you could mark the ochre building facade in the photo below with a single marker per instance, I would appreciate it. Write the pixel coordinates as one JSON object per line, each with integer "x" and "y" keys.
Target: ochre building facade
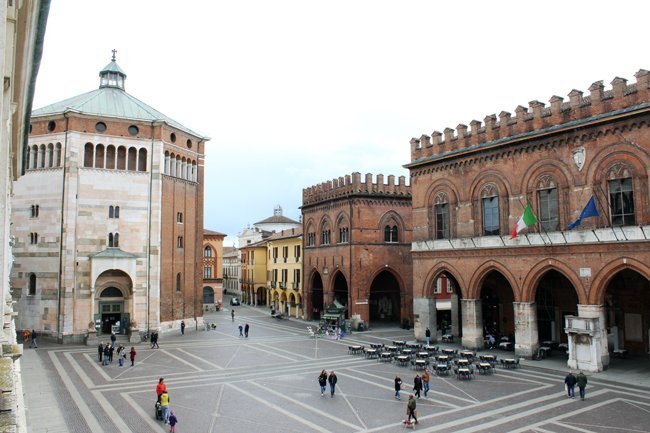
{"x": 588, "y": 287}
{"x": 356, "y": 241}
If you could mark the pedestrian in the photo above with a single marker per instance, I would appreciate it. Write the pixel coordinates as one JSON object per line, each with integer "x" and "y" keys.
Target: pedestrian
{"x": 132, "y": 355}
{"x": 121, "y": 355}
{"x": 107, "y": 353}
{"x": 332, "y": 380}
{"x": 33, "y": 340}
{"x": 425, "y": 382}
{"x": 417, "y": 385}
{"x": 241, "y": 330}
{"x": 113, "y": 339}
{"x": 164, "y": 405}
{"x": 232, "y": 314}
{"x": 570, "y": 382}
{"x": 110, "y": 353}
{"x": 172, "y": 421}
{"x": 182, "y": 327}
{"x": 246, "y": 330}
{"x": 154, "y": 340}
{"x": 398, "y": 386}
{"x": 160, "y": 388}
{"x": 322, "y": 381}
{"x": 581, "y": 380}
{"x": 26, "y": 335}
{"x": 100, "y": 350}
{"x": 410, "y": 409}
{"x": 427, "y": 335}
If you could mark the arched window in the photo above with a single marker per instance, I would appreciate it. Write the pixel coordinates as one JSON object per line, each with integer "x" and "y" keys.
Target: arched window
{"x": 89, "y": 157}
{"x": 121, "y": 158}
{"x": 179, "y": 168}
{"x": 390, "y": 233}
{"x": 34, "y": 156}
{"x": 117, "y": 211}
{"x": 172, "y": 165}
{"x": 110, "y": 157}
{"x": 99, "y": 156}
{"x": 113, "y": 240}
{"x": 178, "y": 282}
{"x": 111, "y": 212}
{"x": 621, "y": 196}
{"x": 343, "y": 235}
{"x": 41, "y": 156}
{"x": 194, "y": 172}
{"x": 57, "y": 155}
{"x": 142, "y": 159}
{"x": 490, "y": 208}
{"x": 179, "y": 217}
{"x": 133, "y": 159}
{"x": 49, "y": 156}
{"x": 179, "y": 242}
{"x": 207, "y": 252}
{"x": 111, "y": 292}
{"x": 548, "y": 210}
{"x": 33, "y": 238}
{"x": 183, "y": 173}
{"x": 166, "y": 163}
{"x": 441, "y": 216}
{"x": 31, "y": 291}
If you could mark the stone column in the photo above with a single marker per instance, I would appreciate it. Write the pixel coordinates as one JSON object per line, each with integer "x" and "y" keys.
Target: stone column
{"x": 424, "y": 313}
{"x": 472, "y": 323}
{"x": 455, "y": 323}
{"x": 600, "y": 339}
{"x": 526, "y": 335}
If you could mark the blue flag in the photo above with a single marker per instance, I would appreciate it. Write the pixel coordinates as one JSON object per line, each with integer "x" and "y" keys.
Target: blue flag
{"x": 589, "y": 211}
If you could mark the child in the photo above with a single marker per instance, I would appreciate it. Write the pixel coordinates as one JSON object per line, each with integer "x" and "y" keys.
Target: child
{"x": 172, "y": 422}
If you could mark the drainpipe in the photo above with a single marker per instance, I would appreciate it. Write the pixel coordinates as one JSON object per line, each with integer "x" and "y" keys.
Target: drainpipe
{"x": 199, "y": 245}
{"x": 151, "y": 154}
{"x": 63, "y": 183}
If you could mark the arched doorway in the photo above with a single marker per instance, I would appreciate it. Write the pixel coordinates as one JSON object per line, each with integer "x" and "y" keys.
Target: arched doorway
{"x": 284, "y": 305}
{"x": 261, "y": 296}
{"x": 316, "y": 296}
{"x": 112, "y": 311}
{"x": 384, "y": 302}
{"x": 340, "y": 291}
{"x": 555, "y": 298}
{"x": 627, "y": 308}
{"x": 446, "y": 292}
{"x": 208, "y": 296}
{"x": 496, "y": 301}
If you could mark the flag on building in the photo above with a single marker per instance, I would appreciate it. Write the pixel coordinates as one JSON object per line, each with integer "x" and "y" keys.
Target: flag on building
{"x": 526, "y": 220}
{"x": 589, "y": 211}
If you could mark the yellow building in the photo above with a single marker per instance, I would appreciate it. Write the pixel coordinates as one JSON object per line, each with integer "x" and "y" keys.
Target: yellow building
{"x": 212, "y": 269}
{"x": 253, "y": 273}
{"x": 284, "y": 271}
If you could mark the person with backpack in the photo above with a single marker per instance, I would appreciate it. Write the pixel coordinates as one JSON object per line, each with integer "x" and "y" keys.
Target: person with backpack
{"x": 322, "y": 381}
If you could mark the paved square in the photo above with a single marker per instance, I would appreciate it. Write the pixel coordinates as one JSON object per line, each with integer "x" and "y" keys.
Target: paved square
{"x": 219, "y": 382}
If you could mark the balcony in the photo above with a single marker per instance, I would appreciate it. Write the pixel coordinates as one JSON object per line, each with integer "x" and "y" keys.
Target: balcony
{"x": 283, "y": 285}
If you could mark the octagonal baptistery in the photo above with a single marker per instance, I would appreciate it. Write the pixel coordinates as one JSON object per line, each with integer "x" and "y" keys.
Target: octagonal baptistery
{"x": 108, "y": 218}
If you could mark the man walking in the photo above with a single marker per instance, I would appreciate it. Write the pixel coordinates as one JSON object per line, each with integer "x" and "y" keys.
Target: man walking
{"x": 241, "y": 330}
{"x": 398, "y": 386}
{"x": 417, "y": 385}
{"x": 246, "y": 330}
{"x": 410, "y": 409}
{"x": 332, "y": 380}
{"x": 582, "y": 384}
{"x": 182, "y": 327}
{"x": 427, "y": 335}
{"x": 425, "y": 382}
{"x": 33, "y": 341}
{"x": 232, "y": 314}
{"x": 570, "y": 382}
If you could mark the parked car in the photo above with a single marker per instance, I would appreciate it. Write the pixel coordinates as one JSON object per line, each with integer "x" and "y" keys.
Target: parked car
{"x": 234, "y": 301}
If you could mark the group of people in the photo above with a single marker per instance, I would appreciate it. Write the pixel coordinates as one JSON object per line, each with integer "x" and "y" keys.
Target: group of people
{"x": 30, "y": 337}
{"x": 243, "y": 330}
{"x": 570, "y": 382}
{"x": 154, "y": 338}
{"x": 105, "y": 353}
{"x": 324, "y": 379}
{"x": 168, "y": 416}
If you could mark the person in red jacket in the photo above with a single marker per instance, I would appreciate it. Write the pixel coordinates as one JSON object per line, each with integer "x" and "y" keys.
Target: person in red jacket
{"x": 132, "y": 354}
{"x": 160, "y": 388}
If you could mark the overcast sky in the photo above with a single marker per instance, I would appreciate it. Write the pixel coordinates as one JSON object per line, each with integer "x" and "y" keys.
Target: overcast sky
{"x": 293, "y": 93}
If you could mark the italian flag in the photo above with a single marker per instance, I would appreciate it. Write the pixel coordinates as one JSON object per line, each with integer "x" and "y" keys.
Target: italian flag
{"x": 526, "y": 220}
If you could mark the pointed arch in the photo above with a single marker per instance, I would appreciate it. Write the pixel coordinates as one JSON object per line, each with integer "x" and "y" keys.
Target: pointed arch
{"x": 602, "y": 279}
{"x": 476, "y": 281}
{"x": 537, "y": 272}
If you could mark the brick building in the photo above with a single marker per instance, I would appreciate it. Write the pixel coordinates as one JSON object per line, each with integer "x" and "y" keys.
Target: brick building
{"x": 587, "y": 287}
{"x": 212, "y": 268}
{"x": 108, "y": 217}
{"x": 356, "y": 242}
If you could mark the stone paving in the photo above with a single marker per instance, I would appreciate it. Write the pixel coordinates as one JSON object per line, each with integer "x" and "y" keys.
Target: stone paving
{"x": 219, "y": 382}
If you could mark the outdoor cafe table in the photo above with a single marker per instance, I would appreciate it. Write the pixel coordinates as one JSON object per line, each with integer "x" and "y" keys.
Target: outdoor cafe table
{"x": 399, "y": 343}
{"x": 509, "y": 363}
{"x": 355, "y": 350}
{"x": 442, "y": 358}
{"x": 376, "y": 345}
{"x": 371, "y": 353}
{"x": 448, "y": 351}
{"x": 413, "y": 345}
{"x": 420, "y": 364}
{"x": 385, "y": 356}
{"x": 489, "y": 358}
{"x": 402, "y": 360}
{"x": 430, "y": 348}
{"x": 464, "y": 373}
{"x": 485, "y": 368}
{"x": 407, "y": 351}
{"x": 422, "y": 355}
{"x": 467, "y": 354}
{"x": 391, "y": 348}
{"x": 442, "y": 368}
{"x": 462, "y": 362}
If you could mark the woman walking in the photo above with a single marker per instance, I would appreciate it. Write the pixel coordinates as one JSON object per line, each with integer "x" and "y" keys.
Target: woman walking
{"x": 132, "y": 354}
{"x": 417, "y": 385}
{"x": 322, "y": 381}
{"x": 410, "y": 409}
{"x": 398, "y": 386}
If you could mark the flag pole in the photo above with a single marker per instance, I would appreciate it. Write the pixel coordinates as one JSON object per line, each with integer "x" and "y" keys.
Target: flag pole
{"x": 608, "y": 208}
{"x": 540, "y": 227}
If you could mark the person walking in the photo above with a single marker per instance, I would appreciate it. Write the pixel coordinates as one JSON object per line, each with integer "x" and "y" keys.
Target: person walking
{"x": 398, "y": 386}
{"x": 232, "y": 314}
{"x": 132, "y": 354}
{"x": 410, "y": 409}
{"x": 113, "y": 339}
{"x": 322, "y": 381}
{"x": 241, "y": 330}
{"x": 26, "y": 334}
{"x": 417, "y": 385}
{"x": 164, "y": 405}
{"x": 100, "y": 351}
{"x": 246, "y": 328}
{"x": 111, "y": 350}
{"x": 33, "y": 340}
{"x": 427, "y": 335}
{"x": 160, "y": 388}
{"x": 107, "y": 354}
{"x": 154, "y": 340}
{"x": 570, "y": 382}
{"x": 425, "y": 382}
{"x": 121, "y": 355}
{"x": 172, "y": 421}
{"x": 581, "y": 380}
{"x": 332, "y": 380}
{"x": 182, "y": 327}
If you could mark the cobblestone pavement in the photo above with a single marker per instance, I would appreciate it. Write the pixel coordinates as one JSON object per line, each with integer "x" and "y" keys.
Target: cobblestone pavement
{"x": 219, "y": 382}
